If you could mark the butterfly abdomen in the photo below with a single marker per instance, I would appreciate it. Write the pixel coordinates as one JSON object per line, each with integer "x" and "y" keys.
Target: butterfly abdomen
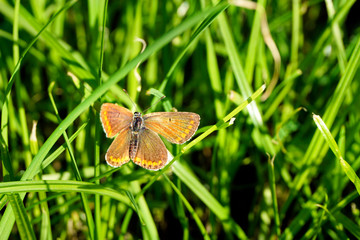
{"x": 134, "y": 144}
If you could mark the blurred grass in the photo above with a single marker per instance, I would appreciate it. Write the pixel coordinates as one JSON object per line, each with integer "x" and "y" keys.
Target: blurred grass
{"x": 205, "y": 58}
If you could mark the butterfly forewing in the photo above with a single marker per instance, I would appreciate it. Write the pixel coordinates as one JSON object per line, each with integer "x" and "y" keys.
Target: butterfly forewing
{"x": 114, "y": 118}
{"x": 152, "y": 153}
{"x": 118, "y": 152}
{"x": 176, "y": 127}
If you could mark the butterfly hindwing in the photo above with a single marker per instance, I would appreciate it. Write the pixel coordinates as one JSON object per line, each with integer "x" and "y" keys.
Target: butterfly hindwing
{"x": 152, "y": 153}
{"x": 176, "y": 127}
{"x": 114, "y": 118}
{"x": 118, "y": 152}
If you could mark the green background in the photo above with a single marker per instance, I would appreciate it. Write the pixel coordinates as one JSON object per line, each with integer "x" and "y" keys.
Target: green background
{"x": 280, "y": 167}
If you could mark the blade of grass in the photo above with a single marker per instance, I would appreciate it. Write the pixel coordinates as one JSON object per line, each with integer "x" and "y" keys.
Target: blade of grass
{"x": 192, "y": 182}
{"x": 22, "y": 219}
{"x": 76, "y": 172}
{"x": 19, "y": 101}
{"x": 295, "y": 36}
{"x": 8, "y": 172}
{"x": 20, "y": 215}
{"x": 273, "y": 195}
{"x": 61, "y": 149}
{"x": 149, "y": 230}
{"x": 348, "y": 224}
{"x": 253, "y": 42}
{"x": 63, "y": 186}
{"x": 236, "y": 64}
{"x": 334, "y": 147}
{"x": 214, "y": 73}
{"x": 336, "y": 32}
{"x": 203, "y": 26}
{"x": 189, "y": 208}
{"x": 125, "y": 223}
{"x": 97, "y": 209}
{"x": 134, "y": 31}
{"x": 45, "y": 231}
{"x": 180, "y": 210}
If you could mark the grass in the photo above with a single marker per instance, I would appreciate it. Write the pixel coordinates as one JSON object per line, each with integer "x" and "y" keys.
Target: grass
{"x": 283, "y": 164}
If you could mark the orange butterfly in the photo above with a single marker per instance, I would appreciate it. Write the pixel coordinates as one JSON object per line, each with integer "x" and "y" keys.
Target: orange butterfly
{"x": 137, "y": 136}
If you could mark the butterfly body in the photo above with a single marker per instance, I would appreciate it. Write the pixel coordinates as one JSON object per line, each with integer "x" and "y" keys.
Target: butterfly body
{"x": 137, "y": 136}
{"x": 136, "y": 127}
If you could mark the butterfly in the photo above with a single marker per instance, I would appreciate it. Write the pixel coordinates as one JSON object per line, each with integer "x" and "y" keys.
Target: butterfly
{"x": 137, "y": 136}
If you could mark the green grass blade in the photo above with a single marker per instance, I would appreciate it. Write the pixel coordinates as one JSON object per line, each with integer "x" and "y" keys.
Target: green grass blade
{"x": 253, "y": 43}
{"x": 295, "y": 36}
{"x": 202, "y": 27}
{"x": 334, "y": 147}
{"x": 336, "y": 31}
{"x": 21, "y": 217}
{"x": 8, "y": 172}
{"x": 76, "y": 172}
{"x": 63, "y": 186}
{"x": 273, "y": 195}
{"x": 46, "y": 232}
{"x": 189, "y": 208}
{"x": 149, "y": 230}
{"x": 198, "y": 188}
{"x": 97, "y": 209}
{"x": 61, "y": 149}
{"x": 348, "y": 224}
{"x": 237, "y": 67}
{"x": 327, "y": 135}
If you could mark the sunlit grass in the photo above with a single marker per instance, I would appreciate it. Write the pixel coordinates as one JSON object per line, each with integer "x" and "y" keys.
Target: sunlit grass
{"x": 255, "y": 169}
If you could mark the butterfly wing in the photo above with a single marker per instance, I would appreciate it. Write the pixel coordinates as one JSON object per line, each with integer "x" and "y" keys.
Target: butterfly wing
{"x": 118, "y": 152}
{"x": 176, "y": 127}
{"x": 114, "y": 118}
{"x": 152, "y": 153}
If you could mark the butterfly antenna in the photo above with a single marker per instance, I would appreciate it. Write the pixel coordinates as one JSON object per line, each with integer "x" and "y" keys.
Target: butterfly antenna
{"x": 134, "y": 104}
{"x": 154, "y": 104}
